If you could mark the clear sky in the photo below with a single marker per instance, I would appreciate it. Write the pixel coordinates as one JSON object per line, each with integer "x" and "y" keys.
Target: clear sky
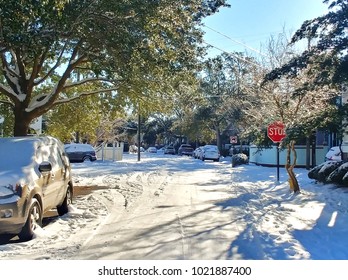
{"x": 252, "y": 22}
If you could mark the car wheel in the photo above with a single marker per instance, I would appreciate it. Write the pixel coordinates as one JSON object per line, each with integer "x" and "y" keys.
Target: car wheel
{"x": 34, "y": 221}
{"x": 64, "y": 207}
{"x": 87, "y": 158}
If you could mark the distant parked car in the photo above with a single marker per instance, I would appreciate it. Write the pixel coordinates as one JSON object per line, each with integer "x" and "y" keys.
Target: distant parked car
{"x": 35, "y": 176}
{"x": 185, "y": 149}
{"x": 334, "y": 154}
{"x": 80, "y": 152}
{"x": 197, "y": 152}
{"x": 169, "y": 150}
{"x": 210, "y": 152}
{"x": 152, "y": 150}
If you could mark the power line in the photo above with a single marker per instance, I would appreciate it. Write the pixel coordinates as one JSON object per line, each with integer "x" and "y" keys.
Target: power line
{"x": 232, "y": 54}
{"x": 235, "y": 41}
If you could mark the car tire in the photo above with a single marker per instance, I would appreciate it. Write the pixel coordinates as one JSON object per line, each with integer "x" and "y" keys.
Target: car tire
{"x": 87, "y": 158}
{"x": 34, "y": 220}
{"x": 64, "y": 207}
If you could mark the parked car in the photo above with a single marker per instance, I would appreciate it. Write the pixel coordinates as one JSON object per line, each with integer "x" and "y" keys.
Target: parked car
{"x": 35, "y": 176}
{"x": 134, "y": 149}
{"x": 334, "y": 154}
{"x": 80, "y": 152}
{"x": 169, "y": 150}
{"x": 197, "y": 152}
{"x": 185, "y": 149}
{"x": 210, "y": 152}
{"x": 152, "y": 150}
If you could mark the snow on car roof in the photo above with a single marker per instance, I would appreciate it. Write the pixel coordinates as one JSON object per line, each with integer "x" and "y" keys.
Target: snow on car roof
{"x": 78, "y": 147}
{"x": 18, "y": 157}
{"x": 16, "y": 152}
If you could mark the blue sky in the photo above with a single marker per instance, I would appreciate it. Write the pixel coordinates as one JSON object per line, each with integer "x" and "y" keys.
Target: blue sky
{"x": 252, "y": 22}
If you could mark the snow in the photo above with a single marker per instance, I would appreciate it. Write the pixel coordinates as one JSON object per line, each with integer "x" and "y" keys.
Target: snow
{"x": 167, "y": 207}
{"x": 79, "y": 147}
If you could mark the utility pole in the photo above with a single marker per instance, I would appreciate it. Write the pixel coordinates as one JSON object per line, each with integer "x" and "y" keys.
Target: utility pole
{"x": 139, "y": 130}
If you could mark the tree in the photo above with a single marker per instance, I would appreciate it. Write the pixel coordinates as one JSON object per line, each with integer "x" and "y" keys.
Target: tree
{"x": 327, "y": 54}
{"x": 289, "y": 99}
{"x": 53, "y": 52}
{"x": 223, "y": 88}
{"x": 91, "y": 118}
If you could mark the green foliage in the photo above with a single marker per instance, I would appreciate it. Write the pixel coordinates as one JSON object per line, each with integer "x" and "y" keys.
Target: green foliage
{"x": 136, "y": 49}
{"x": 223, "y": 85}
{"x": 95, "y": 118}
{"x": 7, "y": 126}
{"x": 82, "y": 116}
{"x": 328, "y": 44}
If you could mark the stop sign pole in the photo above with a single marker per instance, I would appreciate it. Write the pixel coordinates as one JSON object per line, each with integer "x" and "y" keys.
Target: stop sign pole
{"x": 276, "y": 132}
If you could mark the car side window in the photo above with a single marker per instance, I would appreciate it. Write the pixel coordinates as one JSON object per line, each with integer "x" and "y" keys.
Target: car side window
{"x": 58, "y": 157}
{"x": 49, "y": 153}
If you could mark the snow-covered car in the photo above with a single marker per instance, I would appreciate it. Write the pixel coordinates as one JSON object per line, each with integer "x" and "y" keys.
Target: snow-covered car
{"x": 197, "y": 152}
{"x": 333, "y": 154}
{"x": 169, "y": 150}
{"x": 152, "y": 150}
{"x": 210, "y": 152}
{"x": 80, "y": 152}
{"x": 35, "y": 177}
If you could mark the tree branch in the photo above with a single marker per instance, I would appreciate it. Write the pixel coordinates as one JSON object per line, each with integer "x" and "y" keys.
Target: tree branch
{"x": 87, "y": 93}
{"x": 55, "y": 66}
{"x": 6, "y": 102}
{"x": 88, "y": 80}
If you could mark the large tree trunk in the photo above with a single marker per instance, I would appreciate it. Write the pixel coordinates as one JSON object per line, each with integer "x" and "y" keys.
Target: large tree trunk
{"x": 294, "y": 186}
{"x": 22, "y": 123}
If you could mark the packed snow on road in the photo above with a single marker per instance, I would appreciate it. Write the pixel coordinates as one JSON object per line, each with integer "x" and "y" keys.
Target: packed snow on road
{"x": 172, "y": 207}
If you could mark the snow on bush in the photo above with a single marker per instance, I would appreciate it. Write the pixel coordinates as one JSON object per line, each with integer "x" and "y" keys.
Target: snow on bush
{"x": 239, "y": 159}
{"x": 335, "y": 172}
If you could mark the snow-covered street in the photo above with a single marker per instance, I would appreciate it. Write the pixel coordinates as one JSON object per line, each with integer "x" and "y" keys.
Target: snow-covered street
{"x": 179, "y": 208}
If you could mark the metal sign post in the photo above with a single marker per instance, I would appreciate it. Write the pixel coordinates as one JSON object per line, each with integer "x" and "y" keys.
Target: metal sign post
{"x": 276, "y": 132}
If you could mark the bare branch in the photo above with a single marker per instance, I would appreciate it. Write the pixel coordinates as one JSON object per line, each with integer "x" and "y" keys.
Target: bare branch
{"x": 55, "y": 66}
{"x": 87, "y": 93}
{"x": 88, "y": 80}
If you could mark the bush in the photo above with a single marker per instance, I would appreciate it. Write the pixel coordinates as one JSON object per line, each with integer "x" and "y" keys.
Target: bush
{"x": 337, "y": 175}
{"x": 239, "y": 159}
{"x": 335, "y": 172}
{"x": 313, "y": 173}
{"x": 327, "y": 169}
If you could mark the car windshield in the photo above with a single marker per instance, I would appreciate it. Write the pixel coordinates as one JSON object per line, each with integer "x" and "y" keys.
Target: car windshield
{"x": 210, "y": 148}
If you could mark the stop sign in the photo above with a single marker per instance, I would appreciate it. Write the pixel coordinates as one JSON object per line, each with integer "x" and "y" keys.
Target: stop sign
{"x": 276, "y": 131}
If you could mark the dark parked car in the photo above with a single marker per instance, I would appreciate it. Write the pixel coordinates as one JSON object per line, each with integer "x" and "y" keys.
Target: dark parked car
{"x": 35, "y": 176}
{"x": 80, "y": 152}
{"x": 185, "y": 149}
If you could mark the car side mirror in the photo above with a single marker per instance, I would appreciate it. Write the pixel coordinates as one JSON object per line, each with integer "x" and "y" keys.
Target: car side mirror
{"x": 45, "y": 167}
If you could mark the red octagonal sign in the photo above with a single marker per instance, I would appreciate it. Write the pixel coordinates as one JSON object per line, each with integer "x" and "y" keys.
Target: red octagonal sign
{"x": 276, "y": 131}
